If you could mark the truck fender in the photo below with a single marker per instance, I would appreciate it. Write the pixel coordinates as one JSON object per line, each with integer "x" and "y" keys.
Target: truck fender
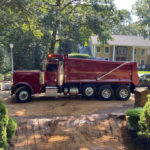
{"x": 20, "y": 84}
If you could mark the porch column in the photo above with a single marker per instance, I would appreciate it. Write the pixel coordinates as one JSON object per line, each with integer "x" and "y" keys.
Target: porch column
{"x": 94, "y": 50}
{"x": 114, "y": 51}
{"x": 133, "y": 53}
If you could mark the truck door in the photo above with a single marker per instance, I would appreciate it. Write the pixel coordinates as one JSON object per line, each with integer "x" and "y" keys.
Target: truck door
{"x": 52, "y": 74}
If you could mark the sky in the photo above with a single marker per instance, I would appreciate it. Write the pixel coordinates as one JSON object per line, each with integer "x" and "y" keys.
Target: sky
{"x": 125, "y": 4}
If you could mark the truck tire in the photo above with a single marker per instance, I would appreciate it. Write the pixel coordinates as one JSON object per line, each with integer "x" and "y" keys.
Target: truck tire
{"x": 123, "y": 92}
{"x": 89, "y": 91}
{"x": 23, "y": 94}
{"x": 105, "y": 92}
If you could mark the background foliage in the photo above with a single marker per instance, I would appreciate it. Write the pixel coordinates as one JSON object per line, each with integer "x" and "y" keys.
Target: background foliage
{"x": 37, "y": 27}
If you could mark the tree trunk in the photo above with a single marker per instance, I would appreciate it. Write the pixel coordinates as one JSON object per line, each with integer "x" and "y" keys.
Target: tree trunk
{"x": 53, "y": 40}
{"x": 56, "y": 26}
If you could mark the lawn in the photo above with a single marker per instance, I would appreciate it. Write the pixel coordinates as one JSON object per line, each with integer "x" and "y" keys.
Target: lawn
{"x": 141, "y": 72}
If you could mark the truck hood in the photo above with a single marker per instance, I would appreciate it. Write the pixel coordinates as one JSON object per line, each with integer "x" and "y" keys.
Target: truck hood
{"x": 27, "y": 76}
{"x": 27, "y": 71}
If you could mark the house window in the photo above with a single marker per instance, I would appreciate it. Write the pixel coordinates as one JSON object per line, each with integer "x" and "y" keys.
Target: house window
{"x": 135, "y": 51}
{"x": 142, "y": 62}
{"x": 106, "y": 49}
{"x": 98, "y": 49}
{"x": 148, "y": 51}
{"x": 106, "y": 58}
{"x": 122, "y": 51}
{"x": 143, "y": 51}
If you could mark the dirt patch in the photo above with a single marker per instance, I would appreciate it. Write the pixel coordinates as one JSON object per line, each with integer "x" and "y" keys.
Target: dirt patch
{"x": 71, "y": 133}
{"x": 43, "y": 106}
{"x": 69, "y": 123}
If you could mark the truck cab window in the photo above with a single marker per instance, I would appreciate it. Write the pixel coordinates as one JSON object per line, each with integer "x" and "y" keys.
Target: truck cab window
{"x": 52, "y": 67}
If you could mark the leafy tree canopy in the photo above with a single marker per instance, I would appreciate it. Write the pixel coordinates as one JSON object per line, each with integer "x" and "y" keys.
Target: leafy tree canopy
{"x": 59, "y": 20}
{"x": 142, "y": 10}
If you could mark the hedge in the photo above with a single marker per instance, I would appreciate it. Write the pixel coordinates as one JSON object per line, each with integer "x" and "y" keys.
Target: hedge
{"x": 144, "y": 123}
{"x": 133, "y": 117}
{"x": 8, "y": 127}
{"x": 78, "y": 55}
{"x": 3, "y": 126}
{"x": 11, "y": 128}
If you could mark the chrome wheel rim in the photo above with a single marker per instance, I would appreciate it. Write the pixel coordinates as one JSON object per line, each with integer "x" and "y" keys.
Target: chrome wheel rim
{"x": 23, "y": 95}
{"x": 89, "y": 91}
{"x": 124, "y": 93}
{"x": 106, "y": 93}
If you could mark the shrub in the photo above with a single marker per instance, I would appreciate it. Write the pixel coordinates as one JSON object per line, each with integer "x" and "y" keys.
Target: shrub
{"x": 144, "y": 123}
{"x": 78, "y": 55}
{"x": 133, "y": 116}
{"x": 7, "y": 127}
{"x": 3, "y": 126}
{"x": 11, "y": 128}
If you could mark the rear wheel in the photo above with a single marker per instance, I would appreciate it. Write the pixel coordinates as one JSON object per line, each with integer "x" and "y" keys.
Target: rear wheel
{"x": 123, "y": 92}
{"x": 23, "y": 94}
{"x": 105, "y": 92}
{"x": 89, "y": 91}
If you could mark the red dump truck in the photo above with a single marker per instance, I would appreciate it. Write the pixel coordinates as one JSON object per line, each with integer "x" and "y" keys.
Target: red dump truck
{"x": 72, "y": 76}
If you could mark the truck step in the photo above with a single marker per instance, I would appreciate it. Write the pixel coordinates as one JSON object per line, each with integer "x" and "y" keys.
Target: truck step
{"x": 51, "y": 87}
{"x": 51, "y": 90}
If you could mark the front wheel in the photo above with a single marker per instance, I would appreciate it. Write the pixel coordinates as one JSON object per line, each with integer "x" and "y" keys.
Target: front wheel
{"x": 23, "y": 94}
{"x": 123, "y": 92}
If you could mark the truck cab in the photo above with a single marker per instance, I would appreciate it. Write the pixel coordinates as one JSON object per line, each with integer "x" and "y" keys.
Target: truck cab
{"x": 27, "y": 83}
{"x": 54, "y": 71}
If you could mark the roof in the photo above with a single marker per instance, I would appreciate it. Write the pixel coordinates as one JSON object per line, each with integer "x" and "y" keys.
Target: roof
{"x": 125, "y": 40}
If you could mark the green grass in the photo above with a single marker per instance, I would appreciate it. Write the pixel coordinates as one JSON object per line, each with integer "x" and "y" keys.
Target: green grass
{"x": 141, "y": 72}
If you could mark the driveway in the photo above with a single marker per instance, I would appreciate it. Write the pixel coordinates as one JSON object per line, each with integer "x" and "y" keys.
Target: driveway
{"x": 69, "y": 123}
{"x": 46, "y": 106}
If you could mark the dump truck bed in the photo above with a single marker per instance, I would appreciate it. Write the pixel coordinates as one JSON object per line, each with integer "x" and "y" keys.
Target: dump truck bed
{"x": 100, "y": 71}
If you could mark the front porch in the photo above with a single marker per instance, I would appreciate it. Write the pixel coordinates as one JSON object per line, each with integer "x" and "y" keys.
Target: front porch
{"x": 115, "y": 53}
{"x": 123, "y": 53}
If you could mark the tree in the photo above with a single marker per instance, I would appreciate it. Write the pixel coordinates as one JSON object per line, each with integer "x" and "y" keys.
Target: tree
{"x": 142, "y": 10}
{"x": 130, "y": 29}
{"x": 1, "y": 57}
{"x": 34, "y": 26}
{"x": 125, "y": 17}
{"x": 60, "y": 20}
{"x": 126, "y": 26}
{"x": 78, "y": 20}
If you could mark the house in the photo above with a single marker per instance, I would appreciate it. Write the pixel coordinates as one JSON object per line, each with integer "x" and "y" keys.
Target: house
{"x": 123, "y": 48}
{"x": 85, "y": 50}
